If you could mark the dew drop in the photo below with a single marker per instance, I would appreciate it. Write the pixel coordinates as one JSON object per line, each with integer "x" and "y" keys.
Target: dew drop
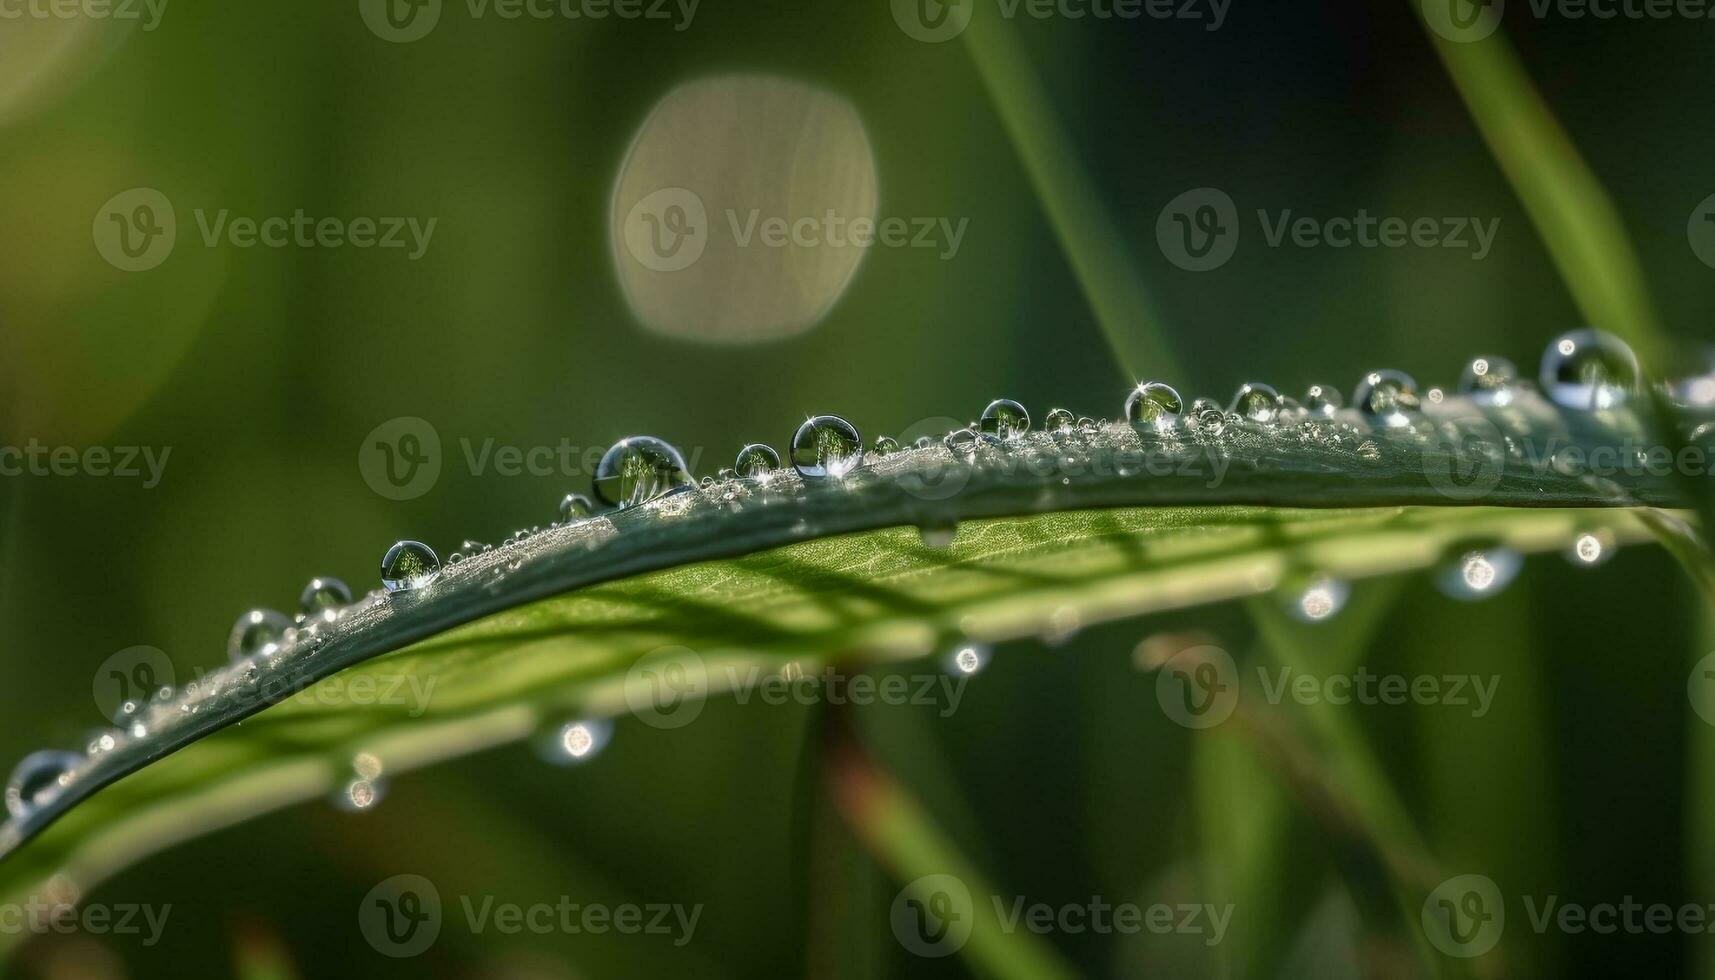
{"x": 1257, "y": 402}
{"x": 257, "y": 631}
{"x": 575, "y": 506}
{"x": 1479, "y": 574}
{"x": 1490, "y": 381}
{"x": 409, "y": 565}
{"x": 1693, "y": 383}
{"x": 1321, "y": 599}
{"x": 756, "y": 460}
{"x": 1004, "y": 419}
{"x": 962, "y": 442}
{"x": 359, "y": 794}
{"x": 886, "y": 445}
{"x": 1388, "y": 397}
{"x": 968, "y": 658}
{"x": 1153, "y": 403}
{"x": 36, "y": 779}
{"x": 638, "y": 469}
{"x": 1059, "y": 420}
{"x": 1591, "y": 548}
{"x": 938, "y": 534}
{"x": 1323, "y": 400}
{"x": 1588, "y": 370}
{"x": 826, "y": 446}
{"x": 323, "y": 598}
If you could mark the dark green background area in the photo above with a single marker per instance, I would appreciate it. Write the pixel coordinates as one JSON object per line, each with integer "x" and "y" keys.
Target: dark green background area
{"x": 1059, "y": 776}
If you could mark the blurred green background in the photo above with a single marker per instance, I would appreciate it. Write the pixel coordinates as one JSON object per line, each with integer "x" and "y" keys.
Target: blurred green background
{"x": 264, "y": 369}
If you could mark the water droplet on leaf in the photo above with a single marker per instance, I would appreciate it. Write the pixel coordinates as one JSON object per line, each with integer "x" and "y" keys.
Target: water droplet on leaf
{"x": 1153, "y": 403}
{"x": 1588, "y": 370}
{"x": 36, "y": 779}
{"x": 257, "y": 631}
{"x": 1490, "y": 380}
{"x": 1004, "y": 419}
{"x": 826, "y": 446}
{"x": 1257, "y": 402}
{"x": 1387, "y": 397}
{"x": 639, "y": 469}
{"x": 409, "y": 565}
{"x": 756, "y": 460}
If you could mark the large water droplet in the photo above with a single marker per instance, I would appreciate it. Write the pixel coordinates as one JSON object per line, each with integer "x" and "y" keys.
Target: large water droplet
{"x": 1257, "y": 402}
{"x": 1480, "y": 573}
{"x": 257, "y": 631}
{"x": 409, "y": 565}
{"x": 639, "y": 469}
{"x": 36, "y": 779}
{"x": 1153, "y": 403}
{"x": 825, "y": 446}
{"x": 1490, "y": 380}
{"x": 1387, "y": 397}
{"x": 323, "y": 598}
{"x": 1323, "y": 400}
{"x": 756, "y": 460}
{"x": 1004, "y": 419}
{"x": 1589, "y": 370}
